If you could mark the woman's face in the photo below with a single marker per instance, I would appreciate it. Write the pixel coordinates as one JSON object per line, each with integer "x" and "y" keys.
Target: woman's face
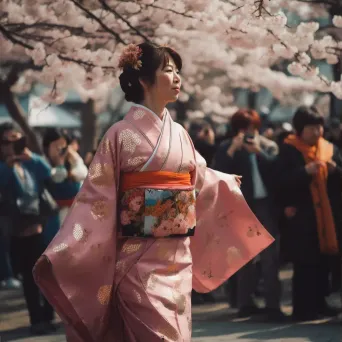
{"x": 56, "y": 148}
{"x": 9, "y": 137}
{"x": 311, "y": 134}
{"x": 166, "y": 87}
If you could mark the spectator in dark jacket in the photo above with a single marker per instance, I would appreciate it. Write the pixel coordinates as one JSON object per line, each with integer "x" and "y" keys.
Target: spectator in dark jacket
{"x": 309, "y": 187}
{"x": 251, "y": 156}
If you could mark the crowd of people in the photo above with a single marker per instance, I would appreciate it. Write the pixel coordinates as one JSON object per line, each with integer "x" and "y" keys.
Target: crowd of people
{"x": 36, "y": 192}
{"x": 291, "y": 179}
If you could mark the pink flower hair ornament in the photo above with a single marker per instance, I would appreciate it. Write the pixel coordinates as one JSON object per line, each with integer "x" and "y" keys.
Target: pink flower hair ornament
{"x": 130, "y": 57}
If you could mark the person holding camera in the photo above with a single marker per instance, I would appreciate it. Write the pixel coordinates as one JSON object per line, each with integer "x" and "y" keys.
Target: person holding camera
{"x": 62, "y": 156}
{"x": 251, "y": 155}
{"x": 23, "y": 175}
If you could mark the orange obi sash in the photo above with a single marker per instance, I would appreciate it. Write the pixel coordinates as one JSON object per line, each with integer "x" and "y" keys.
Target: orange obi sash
{"x": 154, "y": 179}
{"x": 65, "y": 203}
{"x": 157, "y": 204}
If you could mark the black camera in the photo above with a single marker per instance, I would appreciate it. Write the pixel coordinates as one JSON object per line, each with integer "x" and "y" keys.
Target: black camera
{"x": 247, "y": 138}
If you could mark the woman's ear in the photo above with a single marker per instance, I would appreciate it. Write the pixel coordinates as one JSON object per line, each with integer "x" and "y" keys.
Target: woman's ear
{"x": 144, "y": 84}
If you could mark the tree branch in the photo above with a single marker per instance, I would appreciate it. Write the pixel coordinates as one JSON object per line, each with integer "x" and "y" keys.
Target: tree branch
{"x": 172, "y": 11}
{"x": 15, "y": 109}
{"x": 236, "y": 30}
{"x": 260, "y": 8}
{"x": 17, "y": 27}
{"x": 76, "y": 31}
{"x": 296, "y": 56}
{"x": 16, "y": 41}
{"x": 8, "y": 35}
{"x": 118, "y": 15}
{"x": 99, "y": 21}
{"x": 334, "y": 51}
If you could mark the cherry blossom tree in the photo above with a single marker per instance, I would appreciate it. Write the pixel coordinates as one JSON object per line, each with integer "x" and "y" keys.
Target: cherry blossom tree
{"x": 75, "y": 44}
{"x": 326, "y": 9}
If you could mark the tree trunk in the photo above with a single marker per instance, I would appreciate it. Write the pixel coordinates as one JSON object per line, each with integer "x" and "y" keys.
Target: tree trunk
{"x": 90, "y": 131}
{"x": 17, "y": 114}
{"x": 335, "y": 103}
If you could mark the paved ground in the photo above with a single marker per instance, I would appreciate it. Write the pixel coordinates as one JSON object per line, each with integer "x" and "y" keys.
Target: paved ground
{"x": 212, "y": 323}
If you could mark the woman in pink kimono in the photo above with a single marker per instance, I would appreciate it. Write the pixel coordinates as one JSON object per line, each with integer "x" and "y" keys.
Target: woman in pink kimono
{"x": 150, "y": 223}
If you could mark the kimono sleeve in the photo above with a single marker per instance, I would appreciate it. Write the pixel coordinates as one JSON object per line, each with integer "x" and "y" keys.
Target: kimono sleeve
{"x": 228, "y": 234}
{"x": 76, "y": 272}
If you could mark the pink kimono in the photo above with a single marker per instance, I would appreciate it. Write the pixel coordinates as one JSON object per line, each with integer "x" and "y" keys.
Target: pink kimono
{"x": 112, "y": 289}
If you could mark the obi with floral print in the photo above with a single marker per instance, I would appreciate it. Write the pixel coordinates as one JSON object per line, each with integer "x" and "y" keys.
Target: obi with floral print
{"x": 158, "y": 213}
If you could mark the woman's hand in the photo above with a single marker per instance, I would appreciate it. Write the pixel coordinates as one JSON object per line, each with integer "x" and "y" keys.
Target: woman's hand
{"x": 313, "y": 167}
{"x": 24, "y": 156}
{"x": 57, "y": 153}
{"x": 236, "y": 144}
{"x": 237, "y": 141}
{"x": 72, "y": 156}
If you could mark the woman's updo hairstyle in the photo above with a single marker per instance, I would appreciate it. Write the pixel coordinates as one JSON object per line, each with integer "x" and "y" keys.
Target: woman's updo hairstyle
{"x": 142, "y": 62}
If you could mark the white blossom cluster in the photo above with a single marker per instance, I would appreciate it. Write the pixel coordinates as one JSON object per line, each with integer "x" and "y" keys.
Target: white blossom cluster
{"x": 237, "y": 43}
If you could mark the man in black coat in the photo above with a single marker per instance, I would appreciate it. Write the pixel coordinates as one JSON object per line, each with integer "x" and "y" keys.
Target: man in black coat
{"x": 250, "y": 155}
{"x": 309, "y": 184}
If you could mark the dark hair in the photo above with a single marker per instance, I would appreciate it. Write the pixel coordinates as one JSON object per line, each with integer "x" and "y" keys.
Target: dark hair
{"x": 152, "y": 58}
{"x": 5, "y": 127}
{"x": 243, "y": 119}
{"x": 8, "y": 126}
{"x": 306, "y": 116}
{"x": 51, "y": 135}
{"x": 196, "y": 126}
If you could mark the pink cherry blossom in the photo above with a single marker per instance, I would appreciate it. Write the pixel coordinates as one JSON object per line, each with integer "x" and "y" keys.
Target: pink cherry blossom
{"x": 224, "y": 45}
